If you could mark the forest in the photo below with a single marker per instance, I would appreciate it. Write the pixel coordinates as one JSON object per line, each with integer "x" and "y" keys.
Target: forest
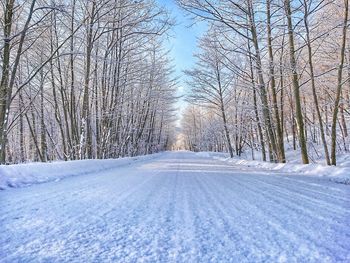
{"x": 94, "y": 79}
{"x": 270, "y": 74}
{"x": 84, "y": 79}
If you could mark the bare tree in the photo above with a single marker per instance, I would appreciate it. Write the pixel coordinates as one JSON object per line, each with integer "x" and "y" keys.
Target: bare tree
{"x": 339, "y": 82}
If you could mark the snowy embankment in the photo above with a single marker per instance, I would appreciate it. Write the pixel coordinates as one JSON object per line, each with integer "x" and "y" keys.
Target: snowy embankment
{"x": 20, "y": 175}
{"x": 339, "y": 174}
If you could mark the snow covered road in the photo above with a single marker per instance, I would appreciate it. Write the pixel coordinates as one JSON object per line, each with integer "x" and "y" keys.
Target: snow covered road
{"x": 178, "y": 207}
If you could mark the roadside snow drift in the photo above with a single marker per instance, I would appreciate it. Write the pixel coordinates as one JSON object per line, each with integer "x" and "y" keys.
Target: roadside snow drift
{"x": 19, "y": 175}
{"x": 339, "y": 174}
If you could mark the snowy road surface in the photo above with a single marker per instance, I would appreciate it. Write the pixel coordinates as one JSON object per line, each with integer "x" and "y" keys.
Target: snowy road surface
{"x": 179, "y": 207}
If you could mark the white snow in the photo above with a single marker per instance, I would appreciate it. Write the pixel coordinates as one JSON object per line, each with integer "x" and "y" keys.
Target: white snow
{"x": 340, "y": 174}
{"x": 19, "y": 175}
{"x": 177, "y": 207}
{"x": 317, "y": 166}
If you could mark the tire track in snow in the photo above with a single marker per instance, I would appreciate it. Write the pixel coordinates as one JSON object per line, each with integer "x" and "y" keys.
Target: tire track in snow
{"x": 281, "y": 207}
{"x": 314, "y": 203}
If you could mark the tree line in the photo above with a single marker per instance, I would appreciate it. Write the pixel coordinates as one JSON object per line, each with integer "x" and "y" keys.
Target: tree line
{"x": 268, "y": 74}
{"x": 84, "y": 79}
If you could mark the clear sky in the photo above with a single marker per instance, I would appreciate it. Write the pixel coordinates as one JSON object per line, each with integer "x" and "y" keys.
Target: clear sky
{"x": 183, "y": 42}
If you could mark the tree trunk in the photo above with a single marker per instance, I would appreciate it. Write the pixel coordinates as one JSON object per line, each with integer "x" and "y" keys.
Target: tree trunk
{"x": 339, "y": 85}
{"x": 279, "y": 133}
{"x": 262, "y": 86}
{"x": 8, "y": 14}
{"x": 256, "y": 112}
{"x": 313, "y": 85}
{"x": 295, "y": 83}
{"x": 85, "y": 135}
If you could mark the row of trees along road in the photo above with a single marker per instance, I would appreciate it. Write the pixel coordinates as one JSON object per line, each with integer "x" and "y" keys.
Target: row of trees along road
{"x": 84, "y": 79}
{"x": 270, "y": 72}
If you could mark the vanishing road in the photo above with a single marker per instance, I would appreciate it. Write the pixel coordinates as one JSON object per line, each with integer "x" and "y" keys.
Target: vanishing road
{"x": 178, "y": 207}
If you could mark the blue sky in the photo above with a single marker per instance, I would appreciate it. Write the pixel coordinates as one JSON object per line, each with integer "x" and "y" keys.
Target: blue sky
{"x": 183, "y": 42}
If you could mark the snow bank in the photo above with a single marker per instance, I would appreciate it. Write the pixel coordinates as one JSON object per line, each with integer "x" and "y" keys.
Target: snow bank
{"x": 339, "y": 174}
{"x": 19, "y": 175}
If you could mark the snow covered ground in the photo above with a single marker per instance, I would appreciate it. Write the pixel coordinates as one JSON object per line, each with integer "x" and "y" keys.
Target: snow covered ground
{"x": 339, "y": 174}
{"x": 177, "y": 207}
{"x": 317, "y": 166}
{"x": 20, "y": 175}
